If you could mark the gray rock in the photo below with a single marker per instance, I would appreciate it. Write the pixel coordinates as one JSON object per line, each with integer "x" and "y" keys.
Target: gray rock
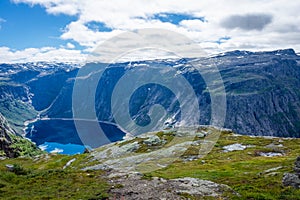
{"x": 123, "y": 157}
{"x": 5, "y": 139}
{"x": 131, "y": 147}
{"x": 190, "y": 158}
{"x": 69, "y": 163}
{"x": 293, "y": 179}
{"x": 272, "y": 169}
{"x": 135, "y": 187}
{"x": 274, "y": 146}
{"x": 152, "y": 140}
{"x": 201, "y": 134}
{"x": 198, "y": 187}
{"x": 269, "y": 154}
{"x": 10, "y": 167}
{"x": 290, "y": 179}
{"x": 234, "y": 147}
{"x": 297, "y": 170}
{"x": 273, "y": 174}
{"x": 297, "y": 166}
{"x": 127, "y": 161}
{"x": 297, "y": 162}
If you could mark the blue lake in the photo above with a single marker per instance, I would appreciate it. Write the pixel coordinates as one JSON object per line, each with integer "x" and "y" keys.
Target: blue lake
{"x": 60, "y": 136}
{"x": 69, "y": 149}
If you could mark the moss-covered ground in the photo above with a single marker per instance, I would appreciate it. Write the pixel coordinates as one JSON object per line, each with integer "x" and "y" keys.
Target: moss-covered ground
{"x": 45, "y": 178}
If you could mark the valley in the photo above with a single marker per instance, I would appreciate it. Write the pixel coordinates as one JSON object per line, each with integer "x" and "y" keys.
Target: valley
{"x": 262, "y": 95}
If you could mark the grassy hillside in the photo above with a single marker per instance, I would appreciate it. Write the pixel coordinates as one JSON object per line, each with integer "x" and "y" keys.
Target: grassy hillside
{"x": 246, "y": 171}
{"x": 45, "y": 178}
{"x": 251, "y": 175}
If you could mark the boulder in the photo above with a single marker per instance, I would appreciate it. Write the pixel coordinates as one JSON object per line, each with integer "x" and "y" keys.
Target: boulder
{"x": 131, "y": 147}
{"x": 297, "y": 166}
{"x": 134, "y": 186}
{"x": 152, "y": 140}
{"x": 234, "y": 147}
{"x": 10, "y": 168}
{"x": 291, "y": 179}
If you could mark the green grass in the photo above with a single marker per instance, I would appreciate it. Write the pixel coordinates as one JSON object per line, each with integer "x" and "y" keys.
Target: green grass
{"x": 241, "y": 170}
{"x": 24, "y": 147}
{"x": 45, "y": 179}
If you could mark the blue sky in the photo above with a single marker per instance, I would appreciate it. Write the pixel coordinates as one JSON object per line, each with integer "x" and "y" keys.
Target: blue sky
{"x": 28, "y": 26}
{"x": 68, "y": 30}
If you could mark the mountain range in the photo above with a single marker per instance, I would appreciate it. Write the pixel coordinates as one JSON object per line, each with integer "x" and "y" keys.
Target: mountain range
{"x": 262, "y": 95}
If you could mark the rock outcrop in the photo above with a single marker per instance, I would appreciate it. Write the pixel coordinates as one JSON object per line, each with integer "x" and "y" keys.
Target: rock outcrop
{"x": 12, "y": 145}
{"x": 5, "y": 139}
{"x": 133, "y": 187}
{"x": 293, "y": 179}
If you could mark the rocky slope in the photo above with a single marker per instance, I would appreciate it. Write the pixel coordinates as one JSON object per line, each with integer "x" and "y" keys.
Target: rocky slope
{"x": 262, "y": 93}
{"x": 5, "y": 139}
{"x": 11, "y": 145}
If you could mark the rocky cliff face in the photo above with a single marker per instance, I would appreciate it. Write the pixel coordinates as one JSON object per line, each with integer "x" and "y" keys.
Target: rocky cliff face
{"x": 262, "y": 92}
{"x": 5, "y": 139}
{"x": 12, "y": 145}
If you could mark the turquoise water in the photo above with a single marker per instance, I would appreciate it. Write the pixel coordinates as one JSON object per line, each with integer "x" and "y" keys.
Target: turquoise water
{"x": 69, "y": 149}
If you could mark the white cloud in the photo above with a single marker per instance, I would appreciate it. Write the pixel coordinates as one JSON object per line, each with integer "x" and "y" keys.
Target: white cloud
{"x": 69, "y": 7}
{"x": 43, "y": 147}
{"x": 78, "y": 32}
{"x": 57, "y": 150}
{"x": 70, "y": 45}
{"x": 122, "y": 15}
{"x": 41, "y": 54}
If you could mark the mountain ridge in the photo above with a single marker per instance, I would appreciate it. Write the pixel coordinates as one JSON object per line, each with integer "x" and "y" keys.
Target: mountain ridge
{"x": 261, "y": 90}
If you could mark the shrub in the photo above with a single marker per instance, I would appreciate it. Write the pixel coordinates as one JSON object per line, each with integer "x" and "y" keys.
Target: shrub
{"x": 19, "y": 170}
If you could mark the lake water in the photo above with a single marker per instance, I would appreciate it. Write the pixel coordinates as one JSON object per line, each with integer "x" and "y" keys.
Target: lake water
{"x": 69, "y": 149}
{"x": 60, "y": 136}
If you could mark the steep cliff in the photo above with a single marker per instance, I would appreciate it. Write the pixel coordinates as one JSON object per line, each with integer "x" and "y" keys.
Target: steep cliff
{"x": 262, "y": 91}
{"x": 5, "y": 139}
{"x": 11, "y": 145}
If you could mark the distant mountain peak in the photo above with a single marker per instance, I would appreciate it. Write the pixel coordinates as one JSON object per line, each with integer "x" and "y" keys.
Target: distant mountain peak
{"x": 245, "y": 53}
{"x": 285, "y": 52}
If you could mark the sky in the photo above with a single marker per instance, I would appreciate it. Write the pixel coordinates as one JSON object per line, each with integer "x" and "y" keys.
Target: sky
{"x": 70, "y": 30}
